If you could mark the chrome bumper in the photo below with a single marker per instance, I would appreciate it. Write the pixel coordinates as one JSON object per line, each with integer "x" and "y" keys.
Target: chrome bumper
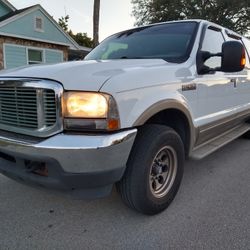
{"x": 75, "y": 153}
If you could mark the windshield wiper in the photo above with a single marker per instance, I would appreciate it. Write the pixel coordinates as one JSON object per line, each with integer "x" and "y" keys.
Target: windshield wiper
{"x": 137, "y": 57}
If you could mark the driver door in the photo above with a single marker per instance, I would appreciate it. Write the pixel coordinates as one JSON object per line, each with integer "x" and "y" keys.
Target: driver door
{"x": 216, "y": 90}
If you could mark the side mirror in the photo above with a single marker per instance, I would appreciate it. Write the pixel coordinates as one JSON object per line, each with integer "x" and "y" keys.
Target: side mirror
{"x": 233, "y": 57}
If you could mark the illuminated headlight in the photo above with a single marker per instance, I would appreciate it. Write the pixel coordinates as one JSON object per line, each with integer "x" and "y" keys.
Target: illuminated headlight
{"x": 90, "y": 111}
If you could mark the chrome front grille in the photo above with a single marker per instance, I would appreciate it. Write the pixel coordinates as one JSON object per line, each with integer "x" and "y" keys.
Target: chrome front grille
{"x": 30, "y": 107}
{"x": 18, "y": 107}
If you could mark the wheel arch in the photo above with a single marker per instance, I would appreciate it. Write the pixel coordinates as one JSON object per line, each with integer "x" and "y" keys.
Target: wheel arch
{"x": 174, "y": 114}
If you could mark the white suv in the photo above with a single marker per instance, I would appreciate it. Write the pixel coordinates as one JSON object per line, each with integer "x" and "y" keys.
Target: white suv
{"x": 129, "y": 114}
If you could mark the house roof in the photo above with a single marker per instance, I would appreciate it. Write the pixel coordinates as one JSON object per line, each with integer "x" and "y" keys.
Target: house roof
{"x": 16, "y": 14}
{"x": 84, "y": 48}
{"x": 8, "y": 4}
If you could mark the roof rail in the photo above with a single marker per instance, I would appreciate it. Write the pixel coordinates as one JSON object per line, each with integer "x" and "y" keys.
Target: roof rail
{"x": 233, "y": 35}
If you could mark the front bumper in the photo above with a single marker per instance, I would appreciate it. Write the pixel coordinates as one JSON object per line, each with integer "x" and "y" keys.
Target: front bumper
{"x": 85, "y": 165}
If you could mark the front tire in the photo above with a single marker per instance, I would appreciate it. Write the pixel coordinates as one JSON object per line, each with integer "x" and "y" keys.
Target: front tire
{"x": 154, "y": 170}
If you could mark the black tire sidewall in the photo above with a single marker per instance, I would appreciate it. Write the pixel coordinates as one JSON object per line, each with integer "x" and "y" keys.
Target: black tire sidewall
{"x": 149, "y": 141}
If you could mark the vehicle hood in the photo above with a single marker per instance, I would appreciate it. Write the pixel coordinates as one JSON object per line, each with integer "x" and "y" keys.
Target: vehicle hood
{"x": 82, "y": 75}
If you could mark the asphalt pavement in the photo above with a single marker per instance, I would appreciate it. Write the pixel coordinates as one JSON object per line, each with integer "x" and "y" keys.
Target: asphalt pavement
{"x": 211, "y": 211}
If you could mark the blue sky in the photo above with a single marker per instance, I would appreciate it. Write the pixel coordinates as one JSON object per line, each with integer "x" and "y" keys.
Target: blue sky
{"x": 115, "y": 14}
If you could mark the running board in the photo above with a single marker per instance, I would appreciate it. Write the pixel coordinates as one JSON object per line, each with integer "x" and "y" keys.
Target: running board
{"x": 209, "y": 147}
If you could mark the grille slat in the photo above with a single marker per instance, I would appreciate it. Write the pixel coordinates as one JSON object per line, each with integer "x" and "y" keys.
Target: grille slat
{"x": 19, "y": 105}
{"x": 50, "y": 107}
{"x": 31, "y": 106}
{"x": 20, "y": 125}
{"x": 12, "y": 117}
{"x": 20, "y": 99}
{"x": 29, "y": 110}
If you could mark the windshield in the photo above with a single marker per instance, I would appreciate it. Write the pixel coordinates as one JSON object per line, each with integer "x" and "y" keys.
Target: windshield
{"x": 170, "y": 41}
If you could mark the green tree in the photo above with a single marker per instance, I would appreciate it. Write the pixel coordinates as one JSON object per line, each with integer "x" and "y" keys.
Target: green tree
{"x": 233, "y": 14}
{"x": 64, "y": 22}
{"x": 81, "y": 38}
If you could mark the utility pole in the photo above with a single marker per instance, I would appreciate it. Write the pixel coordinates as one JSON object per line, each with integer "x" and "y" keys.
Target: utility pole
{"x": 96, "y": 17}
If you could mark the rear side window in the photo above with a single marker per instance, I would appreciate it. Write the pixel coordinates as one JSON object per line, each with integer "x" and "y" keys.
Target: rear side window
{"x": 212, "y": 43}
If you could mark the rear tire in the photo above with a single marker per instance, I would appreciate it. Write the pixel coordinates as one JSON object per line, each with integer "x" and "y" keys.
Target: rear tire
{"x": 154, "y": 170}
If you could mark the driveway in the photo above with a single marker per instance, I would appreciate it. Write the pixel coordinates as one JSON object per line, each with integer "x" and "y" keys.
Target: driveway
{"x": 211, "y": 211}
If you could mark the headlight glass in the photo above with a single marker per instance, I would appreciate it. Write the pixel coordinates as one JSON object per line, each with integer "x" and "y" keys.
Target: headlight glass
{"x": 85, "y": 105}
{"x": 84, "y": 111}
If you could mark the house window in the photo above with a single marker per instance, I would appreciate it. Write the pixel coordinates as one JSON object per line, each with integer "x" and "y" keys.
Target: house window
{"x": 35, "y": 56}
{"x": 38, "y": 24}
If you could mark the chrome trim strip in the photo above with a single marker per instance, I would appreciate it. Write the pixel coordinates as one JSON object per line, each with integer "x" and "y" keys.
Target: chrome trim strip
{"x": 37, "y": 84}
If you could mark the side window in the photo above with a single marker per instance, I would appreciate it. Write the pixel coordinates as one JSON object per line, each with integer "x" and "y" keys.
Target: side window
{"x": 247, "y": 46}
{"x": 212, "y": 43}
